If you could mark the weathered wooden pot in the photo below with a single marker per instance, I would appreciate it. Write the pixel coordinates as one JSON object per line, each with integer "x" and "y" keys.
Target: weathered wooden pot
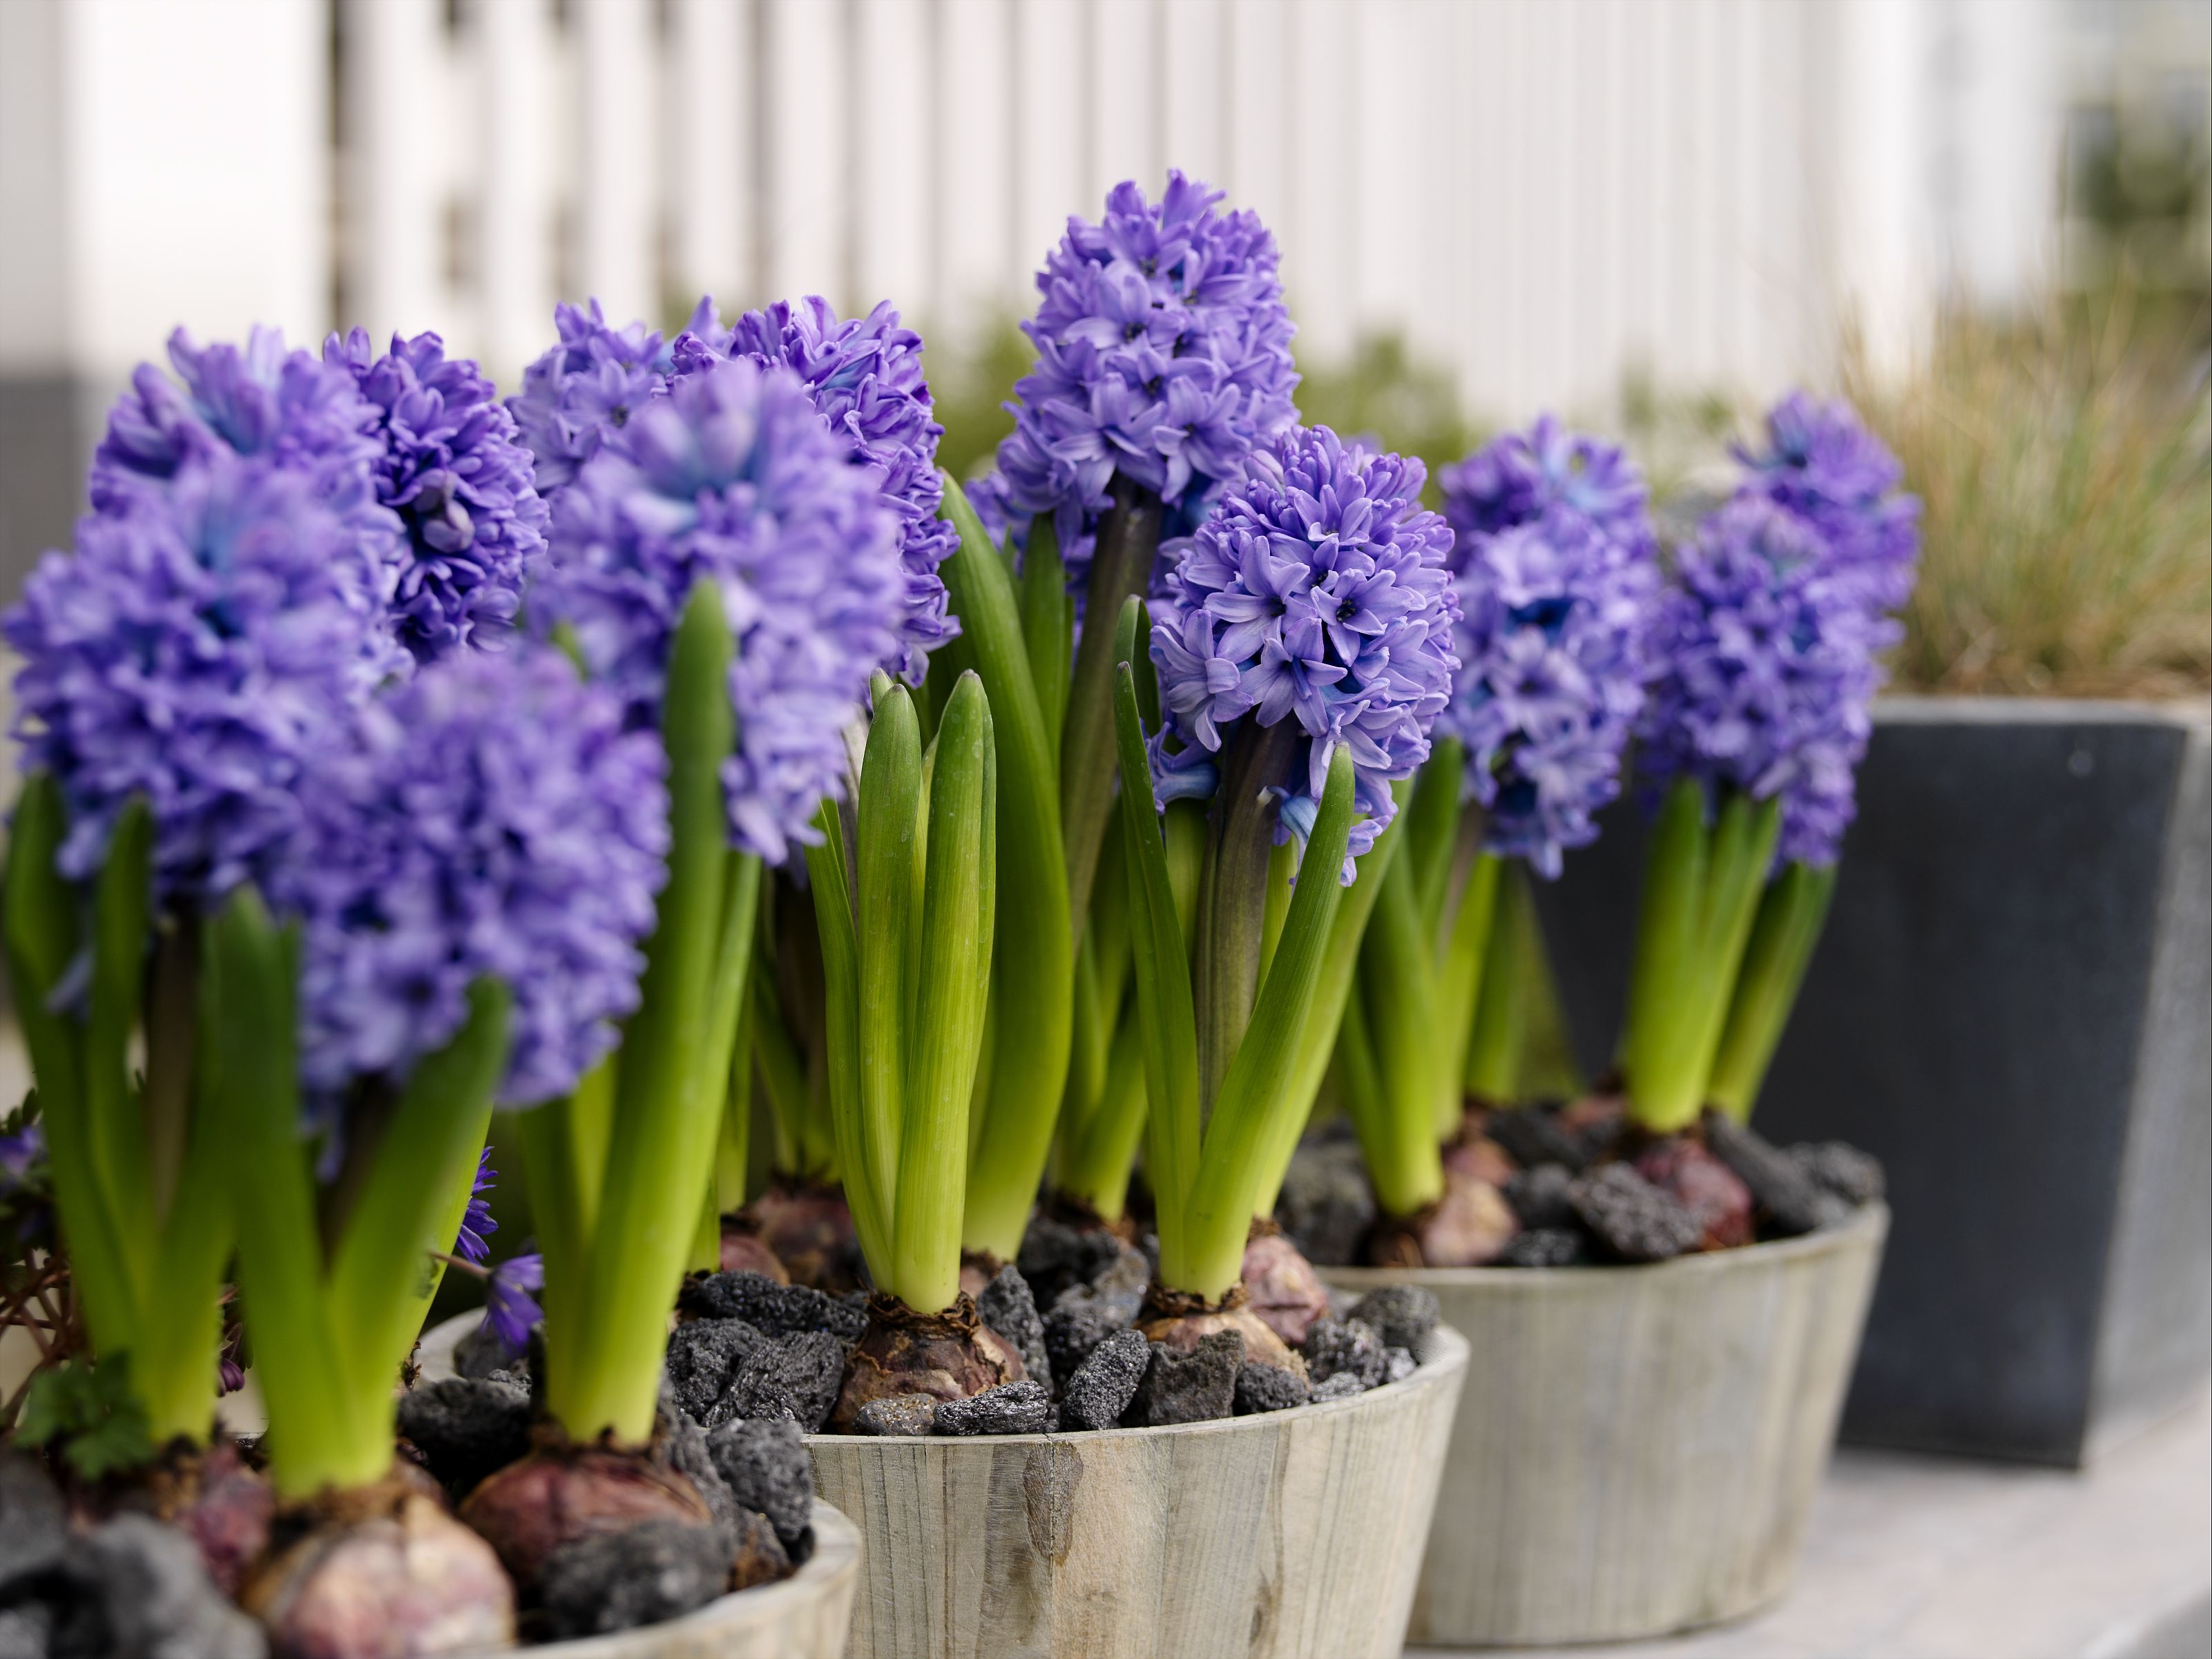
{"x": 1292, "y": 1534}
{"x": 804, "y": 1617}
{"x": 1637, "y": 1448}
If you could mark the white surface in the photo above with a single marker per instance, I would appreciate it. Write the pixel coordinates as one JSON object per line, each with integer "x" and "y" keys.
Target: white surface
{"x": 1917, "y": 1558}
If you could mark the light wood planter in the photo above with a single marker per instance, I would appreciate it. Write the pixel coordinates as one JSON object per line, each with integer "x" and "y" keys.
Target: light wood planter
{"x": 803, "y": 1617}
{"x": 1637, "y": 1448}
{"x": 1292, "y": 1534}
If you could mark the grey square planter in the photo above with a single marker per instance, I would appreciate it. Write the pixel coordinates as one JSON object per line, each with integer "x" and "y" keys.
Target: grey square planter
{"x": 2012, "y": 1008}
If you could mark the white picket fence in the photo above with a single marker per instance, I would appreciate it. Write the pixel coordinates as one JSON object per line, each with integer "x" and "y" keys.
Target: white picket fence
{"x": 1537, "y": 193}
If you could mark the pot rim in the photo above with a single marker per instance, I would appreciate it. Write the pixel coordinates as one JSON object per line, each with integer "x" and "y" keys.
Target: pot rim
{"x": 1996, "y": 709}
{"x": 1445, "y": 1356}
{"x": 1868, "y": 1226}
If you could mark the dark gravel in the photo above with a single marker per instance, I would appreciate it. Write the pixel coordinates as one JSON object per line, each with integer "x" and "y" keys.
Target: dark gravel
{"x": 1327, "y": 1206}
{"x": 1534, "y": 1137}
{"x": 33, "y": 1520}
{"x": 1343, "y": 1386}
{"x": 681, "y": 1444}
{"x": 642, "y": 1575}
{"x": 703, "y": 1355}
{"x": 134, "y": 1589}
{"x": 1268, "y": 1389}
{"x": 1786, "y": 1194}
{"x": 1632, "y": 1218}
{"x": 1023, "y": 1407}
{"x": 1398, "y": 1364}
{"x": 1056, "y": 1257}
{"x": 1008, "y": 1308}
{"x": 795, "y": 1376}
{"x": 480, "y": 1353}
{"x": 465, "y": 1428}
{"x": 1546, "y": 1247}
{"x": 1077, "y": 1324}
{"x": 1539, "y": 1196}
{"x": 1189, "y": 1388}
{"x": 764, "y": 1463}
{"x": 1337, "y": 1346}
{"x": 1099, "y": 1391}
{"x": 1851, "y": 1175}
{"x": 1402, "y": 1315}
{"x": 772, "y": 1308}
{"x": 898, "y": 1413}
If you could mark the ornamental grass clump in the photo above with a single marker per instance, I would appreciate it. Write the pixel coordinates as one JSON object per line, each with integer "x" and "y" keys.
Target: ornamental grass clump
{"x": 1555, "y": 575}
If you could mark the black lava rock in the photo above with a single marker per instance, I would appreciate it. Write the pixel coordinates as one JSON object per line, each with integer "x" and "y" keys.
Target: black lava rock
{"x": 1333, "y": 1345}
{"x": 1788, "y": 1197}
{"x": 772, "y": 1308}
{"x": 1402, "y": 1315}
{"x": 1851, "y": 1175}
{"x": 1534, "y": 1137}
{"x": 1325, "y": 1205}
{"x": 1121, "y": 1283}
{"x": 679, "y": 1443}
{"x": 1056, "y": 1258}
{"x": 1189, "y": 1388}
{"x": 481, "y": 1353}
{"x": 1546, "y": 1247}
{"x": 26, "y": 1631}
{"x": 1077, "y": 1324}
{"x": 1008, "y": 1308}
{"x": 1635, "y": 1220}
{"x": 703, "y": 1355}
{"x": 1343, "y": 1386}
{"x": 1100, "y": 1389}
{"x": 641, "y": 1575}
{"x": 465, "y": 1428}
{"x": 33, "y": 1520}
{"x": 1268, "y": 1389}
{"x": 898, "y": 1413}
{"x": 1399, "y": 1364}
{"x": 795, "y": 1376}
{"x": 136, "y": 1589}
{"x": 1539, "y": 1196}
{"x": 764, "y": 1463}
{"x": 1023, "y": 1407}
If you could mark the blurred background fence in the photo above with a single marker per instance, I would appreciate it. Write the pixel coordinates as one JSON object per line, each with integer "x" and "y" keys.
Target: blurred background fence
{"x": 1535, "y": 203}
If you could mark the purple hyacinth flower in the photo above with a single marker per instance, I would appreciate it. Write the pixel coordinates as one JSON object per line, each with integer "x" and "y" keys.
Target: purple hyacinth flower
{"x": 200, "y": 647}
{"x": 491, "y": 817}
{"x": 511, "y": 1309}
{"x": 1821, "y": 464}
{"x": 1767, "y": 653}
{"x": 1558, "y": 574}
{"x": 19, "y": 1152}
{"x": 865, "y": 376}
{"x": 453, "y": 468}
{"x": 1317, "y": 590}
{"x": 472, "y": 1243}
{"x": 733, "y": 478}
{"x": 586, "y": 385}
{"x": 1163, "y": 354}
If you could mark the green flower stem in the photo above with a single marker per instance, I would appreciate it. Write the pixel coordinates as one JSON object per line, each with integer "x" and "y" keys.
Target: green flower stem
{"x": 1095, "y": 1160}
{"x": 1232, "y": 900}
{"x": 1032, "y": 1005}
{"x": 1791, "y": 912}
{"x": 1701, "y": 888}
{"x": 1047, "y": 628}
{"x": 1435, "y": 821}
{"x": 795, "y": 1079}
{"x": 1463, "y": 976}
{"x": 869, "y": 1193}
{"x": 1121, "y": 565}
{"x": 1492, "y": 1071}
{"x": 1398, "y": 976}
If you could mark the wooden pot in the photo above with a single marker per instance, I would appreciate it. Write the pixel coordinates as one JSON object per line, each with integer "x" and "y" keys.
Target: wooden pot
{"x": 1294, "y": 1533}
{"x": 804, "y": 1616}
{"x": 1637, "y": 1448}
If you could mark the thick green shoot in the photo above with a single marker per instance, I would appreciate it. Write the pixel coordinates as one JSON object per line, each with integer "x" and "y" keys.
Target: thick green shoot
{"x": 1787, "y": 926}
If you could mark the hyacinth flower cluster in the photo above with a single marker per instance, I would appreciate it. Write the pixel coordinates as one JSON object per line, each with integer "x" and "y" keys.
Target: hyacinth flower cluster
{"x": 1768, "y": 637}
{"x": 229, "y": 604}
{"x": 1555, "y": 572}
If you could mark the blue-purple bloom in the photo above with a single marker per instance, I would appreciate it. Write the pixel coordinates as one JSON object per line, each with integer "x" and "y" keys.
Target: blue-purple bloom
{"x": 734, "y": 478}
{"x": 1318, "y": 589}
{"x": 1163, "y": 355}
{"x": 1557, "y": 571}
{"x": 511, "y": 1309}
{"x": 206, "y": 639}
{"x": 491, "y": 817}
{"x": 588, "y": 384}
{"x": 865, "y": 376}
{"x": 1766, "y": 656}
{"x": 19, "y": 1153}
{"x": 453, "y": 468}
{"x": 1821, "y": 464}
{"x": 472, "y": 1242}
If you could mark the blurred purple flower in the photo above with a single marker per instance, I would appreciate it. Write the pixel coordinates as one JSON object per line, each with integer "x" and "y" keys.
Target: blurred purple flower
{"x": 453, "y": 467}
{"x": 1163, "y": 354}
{"x": 587, "y": 385}
{"x": 207, "y": 638}
{"x": 1549, "y": 470}
{"x": 511, "y": 1309}
{"x": 1766, "y": 667}
{"x": 488, "y": 817}
{"x": 865, "y": 376}
{"x": 1316, "y": 589}
{"x": 19, "y": 1153}
{"x": 1821, "y": 464}
{"x": 734, "y": 478}
{"x": 472, "y": 1242}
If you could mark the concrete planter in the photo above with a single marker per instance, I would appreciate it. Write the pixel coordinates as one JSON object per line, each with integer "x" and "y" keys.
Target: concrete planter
{"x": 1637, "y": 1448}
{"x": 804, "y": 1617}
{"x": 2010, "y": 1008}
{"x": 1292, "y": 1534}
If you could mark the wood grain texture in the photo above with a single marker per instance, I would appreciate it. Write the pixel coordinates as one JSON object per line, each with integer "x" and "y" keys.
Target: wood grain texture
{"x": 1291, "y": 1535}
{"x": 1637, "y": 1448}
